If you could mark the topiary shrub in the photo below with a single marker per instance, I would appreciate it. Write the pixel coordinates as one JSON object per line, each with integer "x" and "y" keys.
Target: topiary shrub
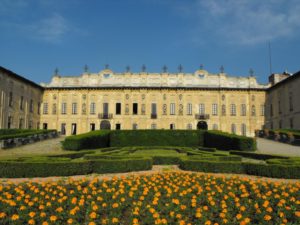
{"x": 226, "y": 141}
{"x": 93, "y": 139}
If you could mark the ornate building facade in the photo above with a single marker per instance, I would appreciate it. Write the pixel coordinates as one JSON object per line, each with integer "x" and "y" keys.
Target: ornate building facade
{"x": 108, "y": 100}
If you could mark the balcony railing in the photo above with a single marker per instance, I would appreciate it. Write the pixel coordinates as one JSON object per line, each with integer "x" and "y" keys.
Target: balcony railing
{"x": 153, "y": 116}
{"x": 202, "y": 116}
{"x": 105, "y": 116}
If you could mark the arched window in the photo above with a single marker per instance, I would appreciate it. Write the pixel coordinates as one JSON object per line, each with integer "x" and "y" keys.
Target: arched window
{"x": 233, "y": 128}
{"x": 243, "y": 129}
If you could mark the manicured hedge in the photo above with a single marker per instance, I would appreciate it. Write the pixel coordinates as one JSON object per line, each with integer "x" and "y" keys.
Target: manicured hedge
{"x": 259, "y": 156}
{"x": 44, "y": 168}
{"x": 266, "y": 170}
{"x": 16, "y": 133}
{"x": 94, "y": 139}
{"x": 226, "y": 141}
{"x": 188, "y": 138}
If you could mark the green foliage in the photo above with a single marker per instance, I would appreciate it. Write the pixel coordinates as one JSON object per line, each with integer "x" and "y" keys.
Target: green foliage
{"x": 20, "y": 133}
{"x": 226, "y": 141}
{"x": 93, "y": 139}
{"x": 188, "y": 138}
{"x": 259, "y": 156}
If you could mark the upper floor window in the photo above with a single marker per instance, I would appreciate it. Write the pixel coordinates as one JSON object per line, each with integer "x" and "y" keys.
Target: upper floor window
{"x": 45, "y": 108}
{"x": 262, "y": 110}
{"x": 233, "y": 110}
{"x": 172, "y": 109}
{"x": 10, "y": 99}
{"x": 54, "y": 108}
{"x": 291, "y": 101}
{"x": 189, "y": 109}
{"x": 93, "y": 108}
{"x": 134, "y": 108}
{"x": 214, "y": 109}
{"x": 31, "y": 106}
{"x": 223, "y": 110}
{"x": 22, "y": 103}
{"x": 74, "y": 108}
{"x": 243, "y": 110}
{"x": 153, "y": 109}
{"x": 118, "y": 108}
{"x": 253, "y": 110}
{"x": 201, "y": 109}
{"x": 64, "y": 108}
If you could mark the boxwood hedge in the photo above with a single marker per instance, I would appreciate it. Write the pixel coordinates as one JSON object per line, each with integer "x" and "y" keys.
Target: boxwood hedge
{"x": 226, "y": 141}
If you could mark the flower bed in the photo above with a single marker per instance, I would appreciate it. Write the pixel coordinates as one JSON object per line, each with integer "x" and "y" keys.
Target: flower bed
{"x": 168, "y": 198}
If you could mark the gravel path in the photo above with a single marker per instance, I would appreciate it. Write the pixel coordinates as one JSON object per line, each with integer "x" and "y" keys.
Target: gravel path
{"x": 277, "y": 148}
{"x": 46, "y": 147}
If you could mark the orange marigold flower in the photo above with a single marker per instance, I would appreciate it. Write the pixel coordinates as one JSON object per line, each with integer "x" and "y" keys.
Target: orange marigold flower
{"x": 93, "y": 223}
{"x": 53, "y": 218}
{"x": 31, "y": 214}
{"x": 2, "y": 214}
{"x": 70, "y": 221}
{"x": 93, "y": 215}
{"x": 208, "y": 222}
{"x": 15, "y": 217}
{"x": 115, "y": 220}
{"x": 297, "y": 213}
{"x": 239, "y": 216}
{"x": 31, "y": 222}
{"x": 267, "y": 217}
{"x": 45, "y": 223}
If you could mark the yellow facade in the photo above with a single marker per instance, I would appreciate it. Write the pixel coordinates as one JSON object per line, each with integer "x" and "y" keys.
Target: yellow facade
{"x": 180, "y": 107}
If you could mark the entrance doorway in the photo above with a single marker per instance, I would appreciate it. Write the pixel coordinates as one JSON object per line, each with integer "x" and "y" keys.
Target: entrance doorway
{"x": 105, "y": 125}
{"x": 63, "y": 129}
{"x": 202, "y": 125}
{"x": 45, "y": 126}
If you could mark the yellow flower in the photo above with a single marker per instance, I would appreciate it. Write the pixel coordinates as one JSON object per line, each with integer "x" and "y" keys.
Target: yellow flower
{"x": 297, "y": 213}
{"x": 2, "y": 214}
{"x": 70, "y": 221}
{"x": 93, "y": 223}
{"x": 93, "y": 215}
{"x": 267, "y": 217}
{"x": 115, "y": 220}
{"x": 239, "y": 216}
{"x": 31, "y": 221}
{"x": 53, "y": 218}
{"x": 31, "y": 214}
{"x": 45, "y": 223}
{"x": 208, "y": 222}
{"x": 15, "y": 217}
{"x": 115, "y": 205}
{"x": 135, "y": 220}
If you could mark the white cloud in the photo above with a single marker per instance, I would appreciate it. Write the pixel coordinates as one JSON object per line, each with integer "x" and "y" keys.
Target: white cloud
{"x": 51, "y": 29}
{"x": 247, "y": 21}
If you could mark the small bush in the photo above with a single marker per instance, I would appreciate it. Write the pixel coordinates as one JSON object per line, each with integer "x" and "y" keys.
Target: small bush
{"x": 94, "y": 139}
{"x": 258, "y": 156}
{"x": 17, "y": 133}
{"x": 226, "y": 141}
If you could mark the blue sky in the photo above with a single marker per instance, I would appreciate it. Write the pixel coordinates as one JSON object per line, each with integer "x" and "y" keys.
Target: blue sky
{"x": 39, "y": 35}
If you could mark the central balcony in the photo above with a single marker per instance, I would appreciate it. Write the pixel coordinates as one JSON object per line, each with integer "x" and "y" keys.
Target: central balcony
{"x": 106, "y": 116}
{"x": 202, "y": 116}
{"x": 153, "y": 116}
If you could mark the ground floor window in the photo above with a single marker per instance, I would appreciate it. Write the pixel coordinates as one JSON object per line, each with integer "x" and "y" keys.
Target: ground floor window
{"x": 118, "y": 126}
{"x": 153, "y": 126}
{"x": 189, "y": 126}
{"x": 134, "y": 126}
{"x": 215, "y": 127}
{"x": 92, "y": 127}
{"x": 172, "y": 126}
{"x": 233, "y": 128}
{"x": 45, "y": 126}
{"x": 243, "y": 129}
{"x": 63, "y": 129}
{"x": 74, "y": 129}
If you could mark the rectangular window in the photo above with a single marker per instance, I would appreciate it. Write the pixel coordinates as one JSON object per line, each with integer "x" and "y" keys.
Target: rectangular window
{"x": 93, "y": 108}
{"x": 45, "y": 108}
{"x": 189, "y": 109}
{"x": 64, "y": 108}
{"x": 118, "y": 126}
{"x": 118, "y": 108}
{"x": 105, "y": 108}
{"x": 31, "y": 106}
{"x": 214, "y": 109}
{"x": 262, "y": 110}
{"x": 134, "y": 108}
{"x": 63, "y": 129}
{"x": 134, "y": 126}
{"x": 153, "y": 126}
{"x": 39, "y": 108}
{"x": 172, "y": 109}
{"x": 92, "y": 127}
{"x": 153, "y": 108}
{"x": 21, "y": 103}
{"x": 172, "y": 126}
{"x": 243, "y": 110}
{"x": 54, "y": 108}
{"x": 232, "y": 110}
{"x": 201, "y": 109}
{"x": 74, "y": 108}
{"x": 74, "y": 129}
{"x": 10, "y": 99}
